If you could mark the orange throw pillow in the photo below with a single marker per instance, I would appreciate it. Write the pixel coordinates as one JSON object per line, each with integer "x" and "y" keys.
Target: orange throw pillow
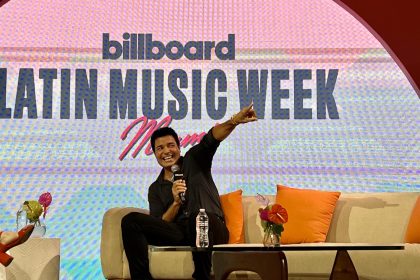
{"x": 412, "y": 234}
{"x": 310, "y": 213}
{"x": 234, "y": 216}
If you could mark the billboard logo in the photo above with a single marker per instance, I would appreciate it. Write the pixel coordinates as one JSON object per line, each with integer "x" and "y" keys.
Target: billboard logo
{"x": 142, "y": 47}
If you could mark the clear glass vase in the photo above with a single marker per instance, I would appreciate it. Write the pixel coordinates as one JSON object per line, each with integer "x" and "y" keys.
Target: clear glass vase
{"x": 39, "y": 225}
{"x": 39, "y": 228}
{"x": 271, "y": 239}
{"x": 21, "y": 220}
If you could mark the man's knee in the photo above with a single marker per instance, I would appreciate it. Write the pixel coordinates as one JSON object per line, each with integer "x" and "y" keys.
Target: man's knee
{"x": 128, "y": 222}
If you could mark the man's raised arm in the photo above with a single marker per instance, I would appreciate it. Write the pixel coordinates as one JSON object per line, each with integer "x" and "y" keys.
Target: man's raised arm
{"x": 246, "y": 115}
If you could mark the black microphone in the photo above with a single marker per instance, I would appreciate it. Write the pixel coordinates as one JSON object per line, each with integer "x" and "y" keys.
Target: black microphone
{"x": 178, "y": 175}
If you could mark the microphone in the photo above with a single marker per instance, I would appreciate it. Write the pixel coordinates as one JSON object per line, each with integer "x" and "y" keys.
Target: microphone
{"x": 178, "y": 175}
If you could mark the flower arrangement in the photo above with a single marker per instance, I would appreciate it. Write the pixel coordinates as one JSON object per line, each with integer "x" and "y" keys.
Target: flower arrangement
{"x": 34, "y": 208}
{"x": 272, "y": 216}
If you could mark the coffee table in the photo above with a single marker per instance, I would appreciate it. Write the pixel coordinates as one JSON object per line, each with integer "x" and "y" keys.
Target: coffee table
{"x": 271, "y": 263}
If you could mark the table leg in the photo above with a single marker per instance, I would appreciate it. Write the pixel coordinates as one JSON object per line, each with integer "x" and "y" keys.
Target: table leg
{"x": 343, "y": 268}
{"x": 268, "y": 265}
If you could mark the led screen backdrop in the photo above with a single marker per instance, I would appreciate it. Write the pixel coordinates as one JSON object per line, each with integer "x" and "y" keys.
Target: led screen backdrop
{"x": 79, "y": 96}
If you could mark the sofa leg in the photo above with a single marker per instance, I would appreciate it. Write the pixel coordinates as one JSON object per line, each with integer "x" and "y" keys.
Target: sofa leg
{"x": 268, "y": 265}
{"x": 343, "y": 268}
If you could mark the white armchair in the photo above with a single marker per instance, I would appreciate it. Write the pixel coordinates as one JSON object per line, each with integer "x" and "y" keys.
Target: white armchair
{"x": 113, "y": 260}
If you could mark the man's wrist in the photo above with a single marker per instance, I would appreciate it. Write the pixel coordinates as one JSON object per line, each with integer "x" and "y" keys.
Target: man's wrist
{"x": 232, "y": 120}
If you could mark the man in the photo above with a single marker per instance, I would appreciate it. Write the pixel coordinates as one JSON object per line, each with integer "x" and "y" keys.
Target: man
{"x": 171, "y": 221}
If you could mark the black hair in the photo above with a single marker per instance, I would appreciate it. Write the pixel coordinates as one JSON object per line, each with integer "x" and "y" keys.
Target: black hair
{"x": 161, "y": 132}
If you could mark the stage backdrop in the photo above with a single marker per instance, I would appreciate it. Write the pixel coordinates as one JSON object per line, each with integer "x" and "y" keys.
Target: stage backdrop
{"x": 84, "y": 83}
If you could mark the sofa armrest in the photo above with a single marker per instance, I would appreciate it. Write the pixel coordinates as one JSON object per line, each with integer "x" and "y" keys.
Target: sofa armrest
{"x": 111, "y": 241}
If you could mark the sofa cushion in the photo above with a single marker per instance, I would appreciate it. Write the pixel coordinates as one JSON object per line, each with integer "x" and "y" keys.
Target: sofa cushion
{"x": 310, "y": 213}
{"x": 234, "y": 216}
{"x": 413, "y": 229}
{"x": 372, "y": 217}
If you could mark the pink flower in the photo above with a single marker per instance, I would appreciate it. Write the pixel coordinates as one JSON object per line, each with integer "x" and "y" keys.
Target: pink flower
{"x": 45, "y": 200}
{"x": 264, "y": 214}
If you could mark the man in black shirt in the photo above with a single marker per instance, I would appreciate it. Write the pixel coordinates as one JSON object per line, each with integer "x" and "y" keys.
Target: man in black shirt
{"x": 171, "y": 221}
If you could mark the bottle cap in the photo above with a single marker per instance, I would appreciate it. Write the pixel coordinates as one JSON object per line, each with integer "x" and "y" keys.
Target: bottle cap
{"x": 202, "y": 210}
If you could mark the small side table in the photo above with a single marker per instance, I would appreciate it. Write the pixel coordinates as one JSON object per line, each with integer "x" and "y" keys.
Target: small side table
{"x": 36, "y": 259}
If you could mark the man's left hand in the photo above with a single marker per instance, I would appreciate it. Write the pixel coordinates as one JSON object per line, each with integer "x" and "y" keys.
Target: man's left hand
{"x": 246, "y": 115}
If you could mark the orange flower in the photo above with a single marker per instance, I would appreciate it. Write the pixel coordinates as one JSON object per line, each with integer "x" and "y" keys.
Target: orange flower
{"x": 277, "y": 214}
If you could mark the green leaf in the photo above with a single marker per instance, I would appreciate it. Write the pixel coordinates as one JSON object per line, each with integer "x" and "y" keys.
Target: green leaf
{"x": 278, "y": 229}
{"x": 264, "y": 224}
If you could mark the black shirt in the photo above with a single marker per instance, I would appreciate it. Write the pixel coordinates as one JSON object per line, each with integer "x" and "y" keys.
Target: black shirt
{"x": 201, "y": 189}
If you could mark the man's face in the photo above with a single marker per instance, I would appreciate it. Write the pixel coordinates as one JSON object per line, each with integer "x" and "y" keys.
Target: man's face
{"x": 167, "y": 151}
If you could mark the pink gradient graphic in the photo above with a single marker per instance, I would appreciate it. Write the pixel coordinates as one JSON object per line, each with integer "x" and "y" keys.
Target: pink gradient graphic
{"x": 275, "y": 24}
{"x": 91, "y": 165}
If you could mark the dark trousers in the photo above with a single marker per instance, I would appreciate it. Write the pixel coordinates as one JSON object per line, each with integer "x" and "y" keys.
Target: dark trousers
{"x": 140, "y": 230}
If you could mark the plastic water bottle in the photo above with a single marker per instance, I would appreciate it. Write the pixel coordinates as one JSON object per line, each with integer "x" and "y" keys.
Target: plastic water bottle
{"x": 202, "y": 229}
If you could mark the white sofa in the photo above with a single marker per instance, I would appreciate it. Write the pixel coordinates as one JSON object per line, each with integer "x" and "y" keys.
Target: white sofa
{"x": 358, "y": 218}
